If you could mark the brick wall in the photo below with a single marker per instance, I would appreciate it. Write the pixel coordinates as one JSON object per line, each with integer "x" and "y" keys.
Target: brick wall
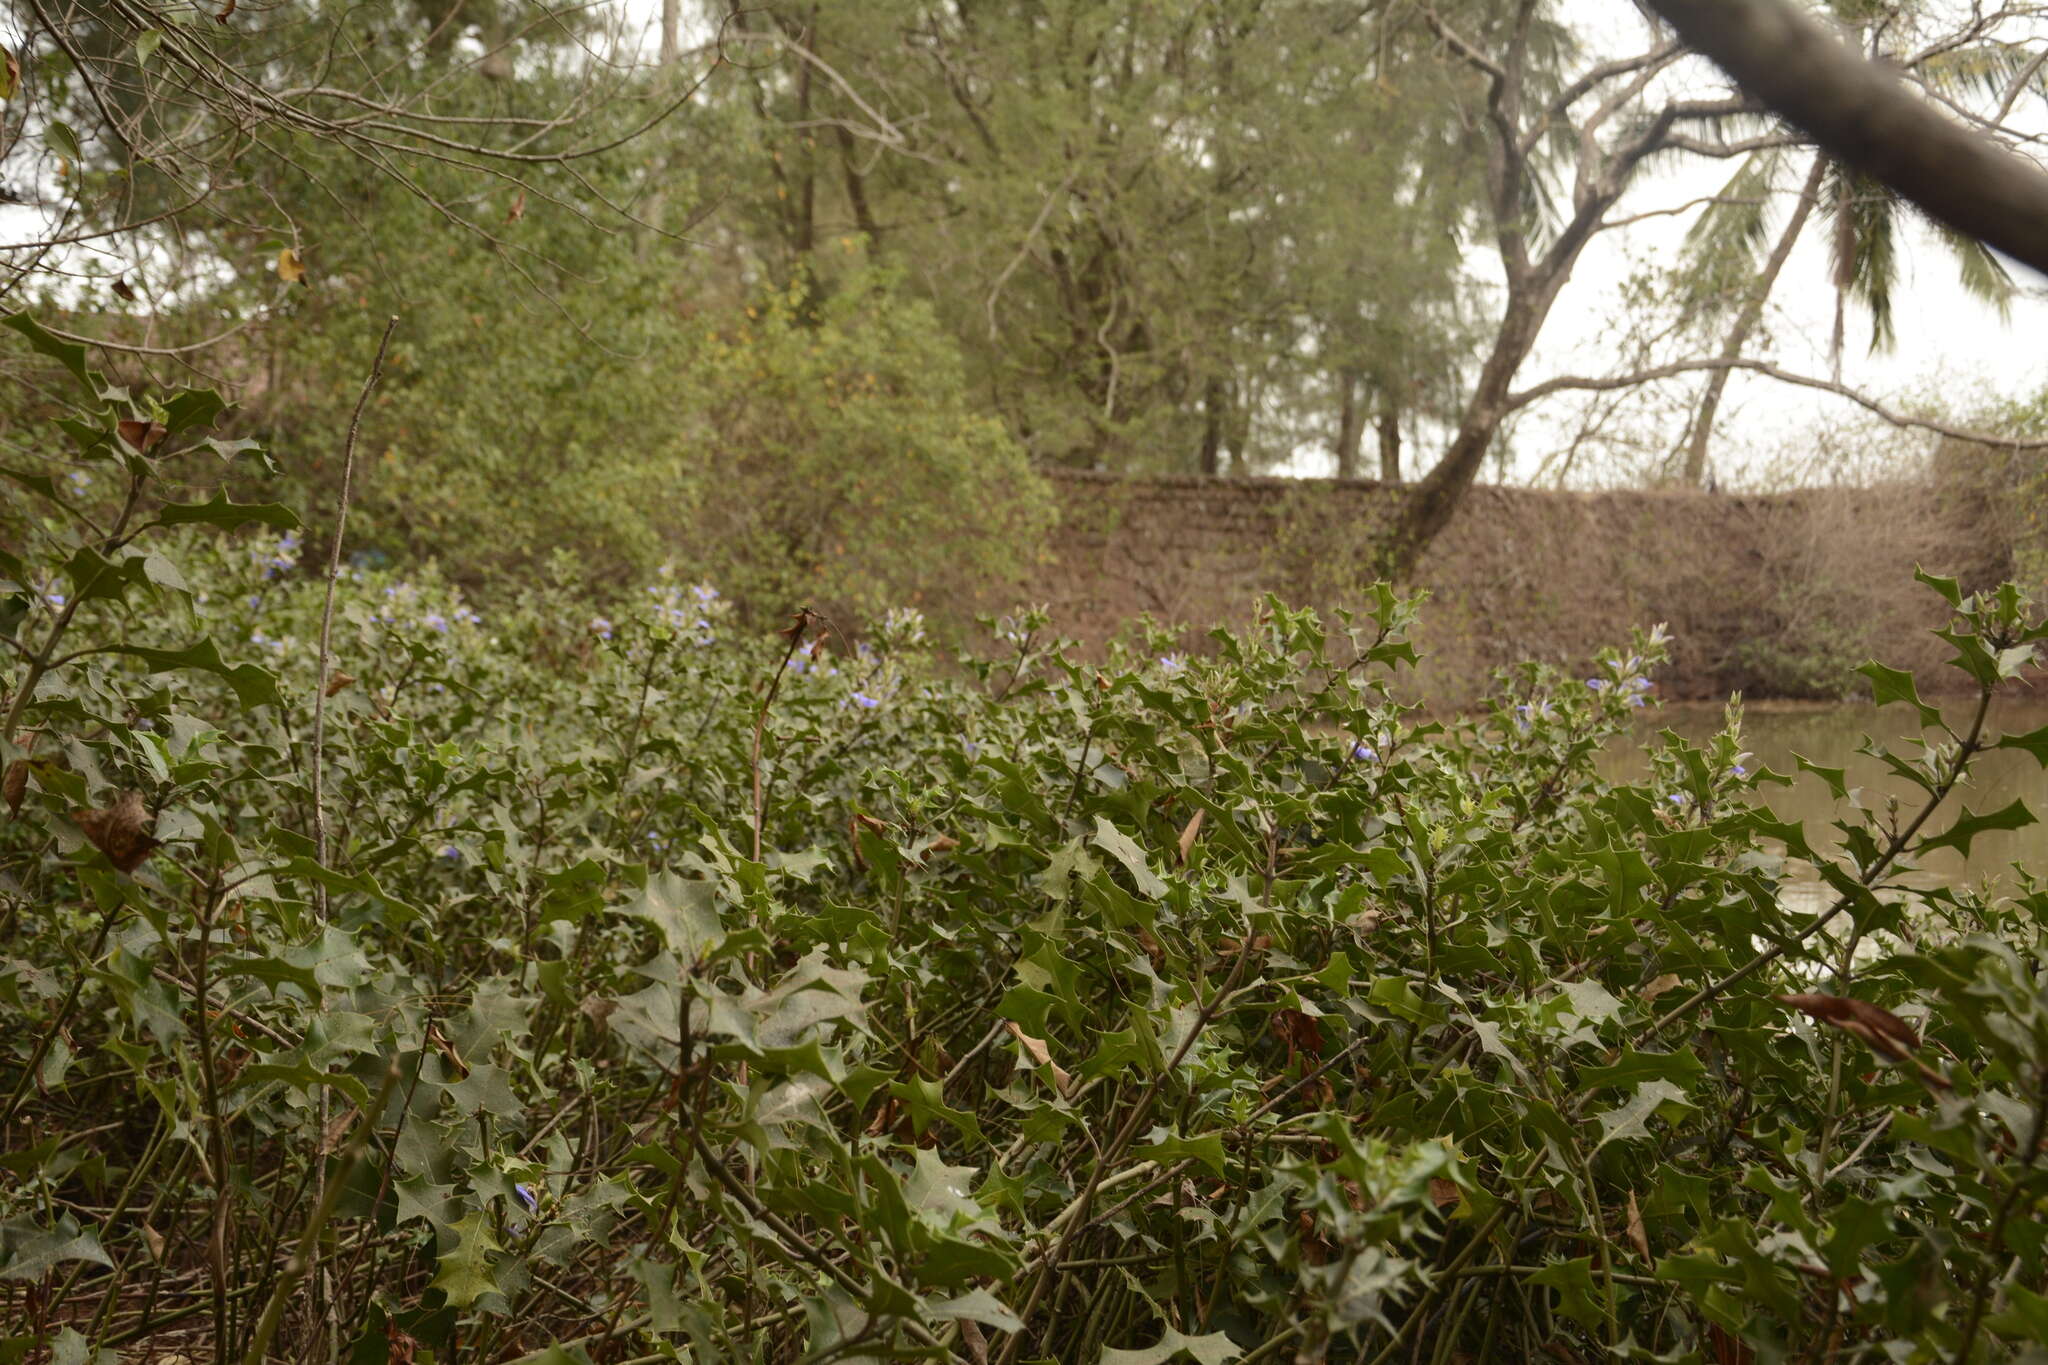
{"x": 1749, "y": 585}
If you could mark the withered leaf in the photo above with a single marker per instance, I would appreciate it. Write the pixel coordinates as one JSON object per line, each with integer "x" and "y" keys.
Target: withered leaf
{"x": 144, "y": 436}
{"x": 1636, "y": 1235}
{"x": 14, "y": 786}
{"x": 1888, "y": 1035}
{"x": 1040, "y": 1054}
{"x": 1666, "y": 982}
{"x": 154, "y": 1240}
{"x": 122, "y": 831}
{"x": 1444, "y": 1193}
{"x": 1301, "y": 1032}
{"x": 518, "y": 209}
{"x": 1188, "y": 833}
{"x": 597, "y": 1010}
{"x": 338, "y": 680}
{"x": 124, "y": 291}
{"x": 290, "y": 268}
{"x": 225, "y": 12}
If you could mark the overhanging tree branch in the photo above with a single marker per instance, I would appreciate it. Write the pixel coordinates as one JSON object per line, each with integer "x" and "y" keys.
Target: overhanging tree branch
{"x": 1864, "y": 116}
{"x": 1588, "y": 384}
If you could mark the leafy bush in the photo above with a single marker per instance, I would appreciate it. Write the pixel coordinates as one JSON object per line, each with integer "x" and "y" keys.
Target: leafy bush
{"x": 667, "y": 991}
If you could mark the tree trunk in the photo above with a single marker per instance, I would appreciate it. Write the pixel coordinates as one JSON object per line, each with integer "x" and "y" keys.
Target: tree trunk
{"x": 1428, "y": 509}
{"x": 1212, "y": 426}
{"x": 1390, "y": 440}
{"x": 671, "y": 31}
{"x": 1350, "y": 425}
{"x": 1746, "y": 324}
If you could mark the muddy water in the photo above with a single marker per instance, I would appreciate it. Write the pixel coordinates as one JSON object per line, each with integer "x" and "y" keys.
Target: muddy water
{"x": 1829, "y": 735}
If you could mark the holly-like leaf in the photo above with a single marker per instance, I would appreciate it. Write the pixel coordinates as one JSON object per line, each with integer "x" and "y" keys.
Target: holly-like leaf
{"x": 686, "y": 912}
{"x": 1216, "y": 1348}
{"x": 69, "y": 354}
{"x": 465, "y": 1273}
{"x": 1119, "y": 846}
{"x": 1893, "y": 685}
{"x": 221, "y": 511}
{"x": 1960, "y": 835}
{"x": 253, "y": 685}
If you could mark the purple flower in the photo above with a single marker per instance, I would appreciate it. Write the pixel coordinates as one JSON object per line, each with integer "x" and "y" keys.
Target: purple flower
{"x": 1170, "y": 664}
{"x": 865, "y": 702}
{"x": 1639, "y": 683}
{"x": 1738, "y": 771}
{"x": 601, "y": 627}
{"x": 527, "y": 1197}
{"x": 1597, "y": 684}
{"x": 449, "y": 854}
{"x": 1364, "y": 754}
{"x": 1676, "y": 798}
{"x": 435, "y": 620}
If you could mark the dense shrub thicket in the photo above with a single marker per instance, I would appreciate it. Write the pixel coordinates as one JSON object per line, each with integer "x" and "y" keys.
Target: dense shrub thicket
{"x": 549, "y": 987}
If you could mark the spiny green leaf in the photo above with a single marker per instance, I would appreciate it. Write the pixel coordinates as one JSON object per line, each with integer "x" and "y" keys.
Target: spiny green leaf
{"x": 221, "y": 511}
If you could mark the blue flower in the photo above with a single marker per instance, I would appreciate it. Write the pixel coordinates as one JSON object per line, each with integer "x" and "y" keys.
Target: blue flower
{"x": 1597, "y": 684}
{"x": 601, "y": 627}
{"x": 55, "y": 599}
{"x": 449, "y": 853}
{"x": 436, "y": 621}
{"x": 1676, "y": 798}
{"x": 865, "y": 702}
{"x": 1639, "y": 683}
{"x": 1364, "y": 754}
{"x": 527, "y": 1197}
{"x": 704, "y": 593}
{"x": 1170, "y": 664}
{"x": 1738, "y": 771}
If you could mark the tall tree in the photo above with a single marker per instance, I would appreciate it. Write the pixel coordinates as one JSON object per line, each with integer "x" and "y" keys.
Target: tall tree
{"x": 1603, "y": 123}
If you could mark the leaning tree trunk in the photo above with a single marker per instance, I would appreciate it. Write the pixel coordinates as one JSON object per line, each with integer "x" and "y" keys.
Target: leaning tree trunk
{"x": 1746, "y": 323}
{"x": 1428, "y": 508}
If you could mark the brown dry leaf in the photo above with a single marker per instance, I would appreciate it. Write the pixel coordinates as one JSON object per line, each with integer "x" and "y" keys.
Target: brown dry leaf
{"x": 1301, "y": 1032}
{"x": 598, "y": 1010}
{"x": 144, "y": 436}
{"x": 518, "y": 209}
{"x": 1187, "y": 834}
{"x": 1636, "y": 1234}
{"x": 1666, "y": 982}
{"x": 154, "y": 1240}
{"x": 336, "y": 1129}
{"x": 337, "y": 681}
{"x": 10, "y": 75}
{"x": 1040, "y": 1055}
{"x": 124, "y": 291}
{"x": 1888, "y": 1035}
{"x": 290, "y": 268}
{"x": 1444, "y": 1193}
{"x": 225, "y": 12}
{"x": 121, "y": 831}
{"x": 14, "y": 786}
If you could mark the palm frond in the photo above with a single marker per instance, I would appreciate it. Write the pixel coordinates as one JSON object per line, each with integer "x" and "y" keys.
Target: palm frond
{"x": 1981, "y": 69}
{"x": 1982, "y": 273}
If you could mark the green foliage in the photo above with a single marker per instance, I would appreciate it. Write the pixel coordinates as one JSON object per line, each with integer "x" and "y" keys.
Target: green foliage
{"x": 672, "y": 992}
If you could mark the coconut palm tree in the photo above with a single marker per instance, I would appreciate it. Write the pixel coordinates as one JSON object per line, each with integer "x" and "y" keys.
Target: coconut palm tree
{"x": 1733, "y": 260}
